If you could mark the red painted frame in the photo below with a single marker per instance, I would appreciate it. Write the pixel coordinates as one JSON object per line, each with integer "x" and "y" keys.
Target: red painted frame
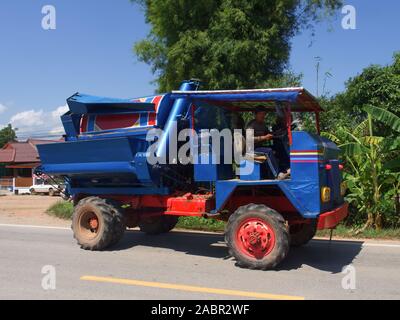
{"x": 201, "y": 205}
{"x": 177, "y": 205}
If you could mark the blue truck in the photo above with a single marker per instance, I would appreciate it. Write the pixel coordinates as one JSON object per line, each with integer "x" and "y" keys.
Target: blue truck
{"x": 105, "y": 164}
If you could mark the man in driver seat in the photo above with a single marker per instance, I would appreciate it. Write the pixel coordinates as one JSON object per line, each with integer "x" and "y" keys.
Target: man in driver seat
{"x": 261, "y": 136}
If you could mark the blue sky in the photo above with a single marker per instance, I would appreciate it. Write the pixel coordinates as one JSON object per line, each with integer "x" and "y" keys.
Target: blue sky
{"x": 91, "y": 52}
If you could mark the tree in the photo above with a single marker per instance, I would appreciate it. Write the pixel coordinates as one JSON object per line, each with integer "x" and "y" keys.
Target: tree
{"x": 7, "y": 134}
{"x": 229, "y": 44}
{"x": 369, "y": 138}
{"x": 334, "y": 110}
{"x": 376, "y": 85}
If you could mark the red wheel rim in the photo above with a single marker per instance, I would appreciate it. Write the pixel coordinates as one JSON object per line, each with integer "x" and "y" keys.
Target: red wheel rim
{"x": 89, "y": 225}
{"x": 256, "y": 238}
{"x": 94, "y": 223}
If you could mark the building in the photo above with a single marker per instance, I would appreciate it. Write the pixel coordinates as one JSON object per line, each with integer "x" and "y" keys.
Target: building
{"x": 17, "y": 162}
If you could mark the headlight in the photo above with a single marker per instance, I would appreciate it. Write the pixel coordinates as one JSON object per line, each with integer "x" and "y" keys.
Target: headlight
{"x": 326, "y": 194}
{"x": 343, "y": 189}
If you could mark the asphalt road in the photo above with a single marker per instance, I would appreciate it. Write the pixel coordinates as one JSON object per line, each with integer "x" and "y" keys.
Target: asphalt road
{"x": 183, "y": 265}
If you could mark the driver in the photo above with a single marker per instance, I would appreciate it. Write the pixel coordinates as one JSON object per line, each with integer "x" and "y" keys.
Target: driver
{"x": 281, "y": 144}
{"x": 261, "y": 136}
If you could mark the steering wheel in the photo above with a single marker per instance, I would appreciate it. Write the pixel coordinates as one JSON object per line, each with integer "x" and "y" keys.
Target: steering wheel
{"x": 282, "y": 133}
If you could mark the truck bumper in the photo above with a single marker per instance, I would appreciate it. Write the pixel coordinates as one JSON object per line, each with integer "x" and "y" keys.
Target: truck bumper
{"x": 330, "y": 220}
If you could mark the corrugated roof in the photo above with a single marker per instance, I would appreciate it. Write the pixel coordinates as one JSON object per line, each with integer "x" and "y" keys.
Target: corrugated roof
{"x": 25, "y": 152}
{"x": 7, "y": 155}
{"x": 22, "y": 152}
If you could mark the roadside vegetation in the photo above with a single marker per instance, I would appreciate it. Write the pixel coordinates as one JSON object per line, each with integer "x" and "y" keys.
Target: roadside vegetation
{"x": 345, "y": 232}
{"x": 200, "y": 224}
{"x": 62, "y": 210}
{"x": 7, "y": 134}
{"x": 364, "y": 121}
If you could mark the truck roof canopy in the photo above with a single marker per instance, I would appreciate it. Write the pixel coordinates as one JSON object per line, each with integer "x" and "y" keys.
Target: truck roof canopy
{"x": 299, "y": 99}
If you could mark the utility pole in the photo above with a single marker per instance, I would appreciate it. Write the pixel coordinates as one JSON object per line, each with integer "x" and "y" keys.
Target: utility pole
{"x": 318, "y": 60}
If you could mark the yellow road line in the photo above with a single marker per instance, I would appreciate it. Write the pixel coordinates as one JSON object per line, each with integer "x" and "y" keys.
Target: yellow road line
{"x": 257, "y": 295}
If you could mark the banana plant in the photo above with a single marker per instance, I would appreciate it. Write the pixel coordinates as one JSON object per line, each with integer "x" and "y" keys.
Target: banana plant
{"x": 374, "y": 163}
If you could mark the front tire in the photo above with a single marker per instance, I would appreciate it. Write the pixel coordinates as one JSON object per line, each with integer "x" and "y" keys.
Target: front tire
{"x": 97, "y": 223}
{"x": 257, "y": 237}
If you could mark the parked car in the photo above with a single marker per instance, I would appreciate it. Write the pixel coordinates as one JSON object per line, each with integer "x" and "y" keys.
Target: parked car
{"x": 42, "y": 186}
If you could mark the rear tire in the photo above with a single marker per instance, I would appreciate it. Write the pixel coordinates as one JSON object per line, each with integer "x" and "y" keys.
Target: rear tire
{"x": 52, "y": 193}
{"x": 119, "y": 223}
{"x": 97, "y": 223}
{"x": 158, "y": 225}
{"x": 302, "y": 234}
{"x": 257, "y": 237}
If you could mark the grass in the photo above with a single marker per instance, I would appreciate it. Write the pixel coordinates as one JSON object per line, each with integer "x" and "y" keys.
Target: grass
{"x": 63, "y": 210}
{"x": 200, "y": 224}
{"x": 348, "y": 233}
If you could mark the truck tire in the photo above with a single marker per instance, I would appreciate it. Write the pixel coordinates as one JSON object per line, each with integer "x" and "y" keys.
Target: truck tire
{"x": 158, "y": 225}
{"x": 52, "y": 193}
{"x": 97, "y": 223}
{"x": 302, "y": 234}
{"x": 257, "y": 237}
{"x": 119, "y": 223}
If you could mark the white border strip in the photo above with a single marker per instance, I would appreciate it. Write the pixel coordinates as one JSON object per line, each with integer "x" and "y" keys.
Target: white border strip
{"x": 33, "y": 227}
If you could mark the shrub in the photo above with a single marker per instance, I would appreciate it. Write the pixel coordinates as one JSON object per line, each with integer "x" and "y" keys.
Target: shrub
{"x": 62, "y": 210}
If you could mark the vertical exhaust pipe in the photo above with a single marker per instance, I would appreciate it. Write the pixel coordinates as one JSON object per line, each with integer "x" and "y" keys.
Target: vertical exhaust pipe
{"x": 179, "y": 108}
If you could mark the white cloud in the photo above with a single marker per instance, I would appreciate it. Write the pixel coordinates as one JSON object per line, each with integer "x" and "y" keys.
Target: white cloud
{"x": 59, "y": 112}
{"x": 39, "y": 123}
{"x": 2, "y": 108}
{"x": 28, "y": 119}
